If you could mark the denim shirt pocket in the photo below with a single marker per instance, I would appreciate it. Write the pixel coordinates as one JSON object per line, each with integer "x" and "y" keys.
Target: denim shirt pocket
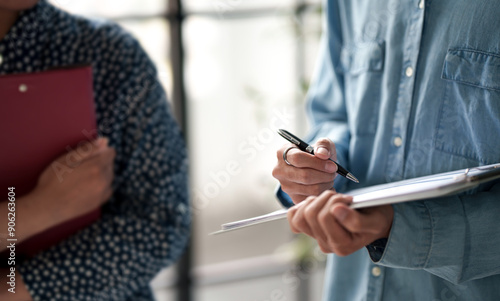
{"x": 469, "y": 118}
{"x": 362, "y": 65}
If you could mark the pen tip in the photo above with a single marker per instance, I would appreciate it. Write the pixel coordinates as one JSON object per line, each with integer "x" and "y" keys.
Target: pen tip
{"x": 352, "y": 178}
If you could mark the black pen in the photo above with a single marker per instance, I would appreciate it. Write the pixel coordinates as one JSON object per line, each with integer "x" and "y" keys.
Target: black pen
{"x": 303, "y": 146}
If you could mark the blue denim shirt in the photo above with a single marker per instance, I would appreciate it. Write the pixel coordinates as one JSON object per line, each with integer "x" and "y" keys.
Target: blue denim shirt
{"x": 408, "y": 88}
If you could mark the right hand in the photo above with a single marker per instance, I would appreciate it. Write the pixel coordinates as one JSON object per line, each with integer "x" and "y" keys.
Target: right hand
{"x": 308, "y": 175}
{"x": 77, "y": 182}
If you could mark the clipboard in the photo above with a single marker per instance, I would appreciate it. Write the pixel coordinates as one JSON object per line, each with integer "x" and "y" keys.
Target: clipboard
{"x": 434, "y": 186}
{"x": 44, "y": 115}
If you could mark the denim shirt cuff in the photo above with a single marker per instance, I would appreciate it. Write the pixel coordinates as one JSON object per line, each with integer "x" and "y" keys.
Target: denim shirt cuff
{"x": 283, "y": 198}
{"x": 410, "y": 239}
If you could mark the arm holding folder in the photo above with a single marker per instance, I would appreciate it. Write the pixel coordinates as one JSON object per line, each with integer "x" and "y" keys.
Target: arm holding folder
{"x": 53, "y": 202}
{"x": 144, "y": 225}
{"x": 392, "y": 232}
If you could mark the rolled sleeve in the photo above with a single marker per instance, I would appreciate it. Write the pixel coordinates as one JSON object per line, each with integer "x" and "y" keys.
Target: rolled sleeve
{"x": 454, "y": 238}
{"x": 411, "y": 233}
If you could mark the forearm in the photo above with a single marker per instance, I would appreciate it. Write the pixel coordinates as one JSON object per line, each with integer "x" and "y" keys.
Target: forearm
{"x": 12, "y": 287}
{"x": 23, "y": 219}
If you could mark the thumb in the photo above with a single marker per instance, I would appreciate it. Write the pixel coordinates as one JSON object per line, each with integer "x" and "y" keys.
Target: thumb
{"x": 357, "y": 222}
{"x": 88, "y": 149}
{"x": 324, "y": 148}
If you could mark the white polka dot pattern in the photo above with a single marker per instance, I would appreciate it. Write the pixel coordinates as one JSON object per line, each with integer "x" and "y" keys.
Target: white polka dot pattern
{"x": 145, "y": 225}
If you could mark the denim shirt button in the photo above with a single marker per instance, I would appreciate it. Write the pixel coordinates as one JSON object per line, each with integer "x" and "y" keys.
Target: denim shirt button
{"x": 409, "y": 72}
{"x": 376, "y": 271}
{"x": 397, "y": 141}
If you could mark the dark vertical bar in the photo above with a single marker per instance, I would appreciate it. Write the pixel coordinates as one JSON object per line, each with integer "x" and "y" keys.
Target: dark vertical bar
{"x": 177, "y": 57}
{"x": 184, "y": 265}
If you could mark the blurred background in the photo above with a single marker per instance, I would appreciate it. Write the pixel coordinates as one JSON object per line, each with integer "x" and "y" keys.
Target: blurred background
{"x": 234, "y": 71}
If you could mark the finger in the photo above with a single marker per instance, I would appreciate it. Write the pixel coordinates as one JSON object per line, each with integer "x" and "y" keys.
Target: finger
{"x": 336, "y": 234}
{"x": 292, "y": 188}
{"x": 351, "y": 238}
{"x": 290, "y": 216}
{"x": 293, "y": 210}
{"x": 324, "y": 247}
{"x": 307, "y": 176}
{"x": 356, "y": 222}
{"x": 341, "y": 198}
{"x": 298, "y": 222}
{"x": 311, "y": 213}
{"x": 327, "y": 222}
{"x": 324, "y": 149}
{"x": 289, "y": 176}
{"x": 296, "y": 198}
{"x": 88, "y": 149}
{"x": 100, "y": 165}
{"x": 300, "y": 159}
{"x": 104, "y": 154}
{"x": 82, "y": 152}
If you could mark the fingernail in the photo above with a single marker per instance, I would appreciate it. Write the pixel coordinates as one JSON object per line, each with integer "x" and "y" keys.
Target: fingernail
{"x": 323, "y": 151}
{"x": 340, "y": 213}
{"x": 330, "y": 166}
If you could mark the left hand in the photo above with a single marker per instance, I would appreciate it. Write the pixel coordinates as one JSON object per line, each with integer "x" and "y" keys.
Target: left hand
{"x": 338, "y": 228}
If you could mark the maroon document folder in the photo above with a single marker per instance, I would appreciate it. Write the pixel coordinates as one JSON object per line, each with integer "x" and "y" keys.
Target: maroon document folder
{"x": 43, "y": 115}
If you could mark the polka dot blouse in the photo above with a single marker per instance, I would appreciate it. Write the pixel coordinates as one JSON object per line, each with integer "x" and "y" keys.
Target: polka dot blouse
{"x": 145, "y": 225}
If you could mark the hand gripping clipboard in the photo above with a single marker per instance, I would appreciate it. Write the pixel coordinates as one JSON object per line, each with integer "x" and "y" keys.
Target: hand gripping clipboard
{"x": 433, "y": 186}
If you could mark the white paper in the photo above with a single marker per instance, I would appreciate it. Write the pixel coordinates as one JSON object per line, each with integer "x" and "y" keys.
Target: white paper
{"x": 403, "y": 191}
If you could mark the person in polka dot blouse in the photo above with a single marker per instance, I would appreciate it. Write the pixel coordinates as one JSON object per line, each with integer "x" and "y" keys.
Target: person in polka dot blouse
{"x": 142, "y": 163}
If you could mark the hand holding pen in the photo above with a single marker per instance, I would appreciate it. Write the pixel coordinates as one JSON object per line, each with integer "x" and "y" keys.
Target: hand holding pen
{"x": 303, "y": 146}
{"x": 308, "y": 170}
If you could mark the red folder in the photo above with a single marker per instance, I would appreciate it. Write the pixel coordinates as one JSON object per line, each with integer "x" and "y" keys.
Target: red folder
{"x": 43, "y": 115}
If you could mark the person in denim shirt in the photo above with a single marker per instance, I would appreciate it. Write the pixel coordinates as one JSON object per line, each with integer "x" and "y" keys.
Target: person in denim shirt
{"x": 403, "y": 89}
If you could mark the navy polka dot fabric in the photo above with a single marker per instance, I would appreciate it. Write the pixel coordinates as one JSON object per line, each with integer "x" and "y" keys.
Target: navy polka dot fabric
{"x": 145, "y": 225}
